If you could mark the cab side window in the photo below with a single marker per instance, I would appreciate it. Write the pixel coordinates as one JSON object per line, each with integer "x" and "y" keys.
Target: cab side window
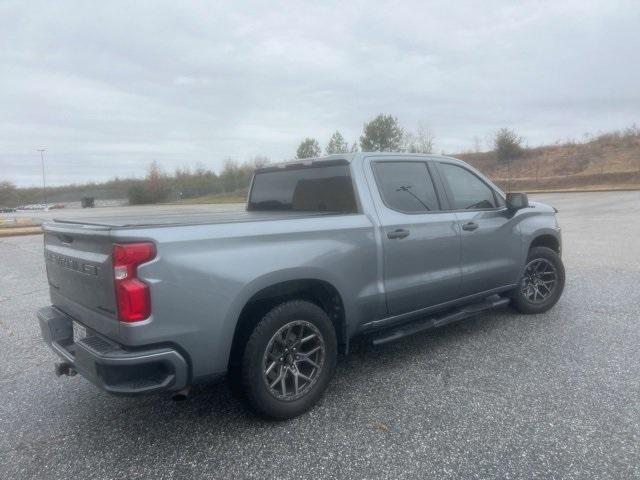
{"x": 468, "y": 191}
{"x": 406, "y": 186}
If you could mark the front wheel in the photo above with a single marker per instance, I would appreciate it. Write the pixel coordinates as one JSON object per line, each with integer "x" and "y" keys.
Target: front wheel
{"x": 542, "y": 282}
{"x": 289, "y": 359}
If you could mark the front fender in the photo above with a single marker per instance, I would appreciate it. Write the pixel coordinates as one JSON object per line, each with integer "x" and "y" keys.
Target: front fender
{"x": 538, "y": 221}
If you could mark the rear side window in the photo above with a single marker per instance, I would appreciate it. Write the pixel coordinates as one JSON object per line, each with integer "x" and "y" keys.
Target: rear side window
{"x": 406, "y": 186}
{"x": 306, "y": 189}
{"x": 468, "y": 191}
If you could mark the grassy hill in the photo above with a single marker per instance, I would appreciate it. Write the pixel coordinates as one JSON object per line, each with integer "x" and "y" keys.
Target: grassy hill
{"x": 608, "y": 161}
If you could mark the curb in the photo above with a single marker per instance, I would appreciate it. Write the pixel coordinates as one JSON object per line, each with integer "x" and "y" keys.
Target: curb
{"x": 586, "y": 190}
{"x": 18, "y": 231}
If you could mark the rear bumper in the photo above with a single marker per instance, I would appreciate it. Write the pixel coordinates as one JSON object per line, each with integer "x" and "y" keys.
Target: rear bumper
{"x": 109, "y": 365}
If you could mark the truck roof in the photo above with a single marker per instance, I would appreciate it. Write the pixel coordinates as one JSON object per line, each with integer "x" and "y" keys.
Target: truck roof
{"x": 348, "y": 158}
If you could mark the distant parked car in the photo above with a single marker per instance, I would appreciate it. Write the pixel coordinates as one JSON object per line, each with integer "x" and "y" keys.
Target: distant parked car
{"x": 55, "y": 206}
{"x": 88, "y": 202}
{"x": 7, "y": 210}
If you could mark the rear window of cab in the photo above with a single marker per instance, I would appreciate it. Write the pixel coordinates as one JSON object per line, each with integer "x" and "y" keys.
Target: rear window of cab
{"x": 314, "y": 188}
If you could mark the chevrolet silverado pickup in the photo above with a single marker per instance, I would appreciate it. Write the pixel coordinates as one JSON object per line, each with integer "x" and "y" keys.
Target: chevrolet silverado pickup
{"x": 377, "y": 244}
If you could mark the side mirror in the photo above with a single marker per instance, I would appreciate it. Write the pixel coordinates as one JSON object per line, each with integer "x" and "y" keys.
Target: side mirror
{"x": 516, "y": 201}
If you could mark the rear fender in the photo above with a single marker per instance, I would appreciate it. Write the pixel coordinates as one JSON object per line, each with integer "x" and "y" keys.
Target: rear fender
{"x": 273, "y": 278}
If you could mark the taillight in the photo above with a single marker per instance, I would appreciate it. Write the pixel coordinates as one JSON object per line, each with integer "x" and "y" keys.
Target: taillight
{"x": 132, "y": 294}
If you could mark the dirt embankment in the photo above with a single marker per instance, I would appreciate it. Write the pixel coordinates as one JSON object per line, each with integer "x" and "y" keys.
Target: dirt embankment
{"x": 610, "y": 161}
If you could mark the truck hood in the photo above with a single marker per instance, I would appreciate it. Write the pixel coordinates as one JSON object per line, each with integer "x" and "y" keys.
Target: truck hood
{"x": 542, "y": 207}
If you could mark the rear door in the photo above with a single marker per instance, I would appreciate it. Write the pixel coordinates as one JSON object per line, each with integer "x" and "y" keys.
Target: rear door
{"x": 420, "y": 242}
{"x": 491, "y": 245}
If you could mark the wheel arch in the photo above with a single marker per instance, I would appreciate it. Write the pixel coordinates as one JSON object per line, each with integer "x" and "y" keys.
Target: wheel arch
{"x": 265, "y": 295}
{"x": 546, "y": 240}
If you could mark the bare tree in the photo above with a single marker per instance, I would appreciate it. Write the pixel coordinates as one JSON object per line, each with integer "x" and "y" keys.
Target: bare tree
{"x": 477, "y": 144}
{"x": 259, "y": 161}
{"x": 420, "y": 141}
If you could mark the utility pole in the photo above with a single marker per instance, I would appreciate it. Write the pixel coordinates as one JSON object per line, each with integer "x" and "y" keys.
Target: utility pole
{"x": 44, "y": 185}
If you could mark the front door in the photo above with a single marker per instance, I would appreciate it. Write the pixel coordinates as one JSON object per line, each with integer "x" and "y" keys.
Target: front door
{"x": 421, "y": 243}
{"x": 491, "y": 245}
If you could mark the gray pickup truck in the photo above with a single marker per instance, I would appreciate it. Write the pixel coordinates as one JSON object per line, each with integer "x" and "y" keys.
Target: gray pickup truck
{"x": 375, "y": 244}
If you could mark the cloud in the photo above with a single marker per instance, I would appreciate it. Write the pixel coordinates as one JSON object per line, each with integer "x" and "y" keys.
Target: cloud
{"x": 108, "y": 87}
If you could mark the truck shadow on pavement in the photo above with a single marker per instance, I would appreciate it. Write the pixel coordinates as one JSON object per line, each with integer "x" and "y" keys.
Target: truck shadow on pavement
{"x": 437, "y": 381}
{"x": 369, "y": 377}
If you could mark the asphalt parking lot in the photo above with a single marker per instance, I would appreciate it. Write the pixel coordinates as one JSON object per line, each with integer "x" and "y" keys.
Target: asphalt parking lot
{"x": 498, "y": 396}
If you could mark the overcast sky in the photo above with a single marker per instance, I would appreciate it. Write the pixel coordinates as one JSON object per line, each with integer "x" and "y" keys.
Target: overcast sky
{"x": 106, "y": 87}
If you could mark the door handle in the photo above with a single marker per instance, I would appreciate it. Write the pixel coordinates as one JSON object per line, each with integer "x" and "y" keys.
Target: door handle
{"x": 470, "y": 226}
{"x": 399, "y": 233}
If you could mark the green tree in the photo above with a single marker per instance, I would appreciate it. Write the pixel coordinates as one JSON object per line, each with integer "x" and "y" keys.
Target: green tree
{"x": 230, "y": 176}
{"x": 507, "y": 145}
{"x": 382, "y": 134}
{"x": 138, "y": 194}
{"x": 308, "y": 148}
{"x": 200, "y": 181}
{"x": 8, "y": 194}
{"x": 336, "y": 144}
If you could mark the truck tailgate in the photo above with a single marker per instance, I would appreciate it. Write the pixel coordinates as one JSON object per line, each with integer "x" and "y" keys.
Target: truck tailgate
{"x": 80, "y": 275}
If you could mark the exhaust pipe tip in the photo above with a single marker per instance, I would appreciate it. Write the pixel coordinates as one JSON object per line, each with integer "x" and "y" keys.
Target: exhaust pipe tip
{"x": 181, "y": 395}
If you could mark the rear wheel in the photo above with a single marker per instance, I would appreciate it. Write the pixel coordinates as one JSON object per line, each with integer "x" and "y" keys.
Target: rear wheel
{"x": 542, "y": 282}
{"x": 289, "y": 359}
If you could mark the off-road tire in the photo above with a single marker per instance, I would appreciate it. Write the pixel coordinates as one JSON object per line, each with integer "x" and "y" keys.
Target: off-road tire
{"x": 519, "y": 298}
{"x": 255, "y": 382}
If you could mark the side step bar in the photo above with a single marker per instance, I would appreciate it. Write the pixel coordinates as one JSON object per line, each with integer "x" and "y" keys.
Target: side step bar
{"x": 433, "y": 322}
